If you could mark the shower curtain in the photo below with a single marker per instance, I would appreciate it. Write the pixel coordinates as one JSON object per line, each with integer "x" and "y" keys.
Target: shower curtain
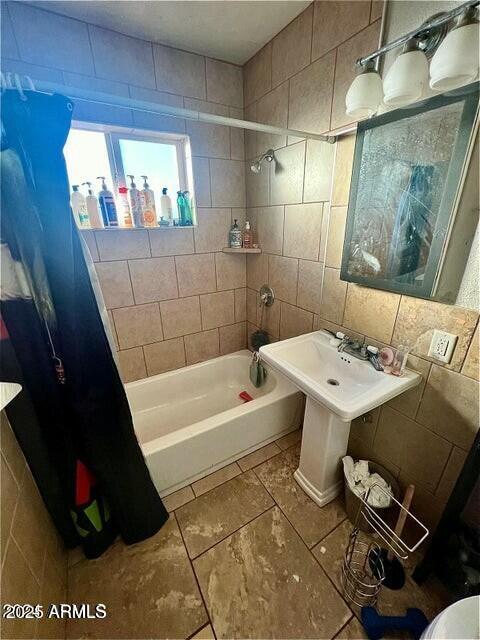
{"x": 72, "y": 419}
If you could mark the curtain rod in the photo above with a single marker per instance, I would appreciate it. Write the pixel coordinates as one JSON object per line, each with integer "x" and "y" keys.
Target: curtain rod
{"x": 175, "y": 112}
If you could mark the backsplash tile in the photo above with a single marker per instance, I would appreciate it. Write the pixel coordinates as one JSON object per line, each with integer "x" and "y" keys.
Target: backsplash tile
{"x": 139, "y": 325}
{"x": 303, "y": 226}
{"x": 224, "y": 83}
{"x": 291, "y": 47}
{"x": 196, "y": 274}
{"x": 179, "y": 72}
{"x": 334, "y": 21}
{"x": 371, "y": 311}
{"x": 202, "y": 346}
{"x": 181, "y": 316}
{"x": 153, "y": 279}
{"x": 217, "y": 309}
{"x": 164, "y": 356}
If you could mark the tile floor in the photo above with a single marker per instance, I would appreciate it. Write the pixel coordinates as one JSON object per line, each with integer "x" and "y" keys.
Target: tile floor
{"x": 245, "y": 554}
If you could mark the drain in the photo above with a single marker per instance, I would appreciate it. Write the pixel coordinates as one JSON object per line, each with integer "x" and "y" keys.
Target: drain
{"x": 333, "y": 382}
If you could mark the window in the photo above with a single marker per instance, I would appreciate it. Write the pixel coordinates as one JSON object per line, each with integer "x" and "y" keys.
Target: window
{"x": 116, "y": 153}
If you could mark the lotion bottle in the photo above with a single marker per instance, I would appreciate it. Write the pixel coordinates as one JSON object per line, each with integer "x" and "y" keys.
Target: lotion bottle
{"x": 147, "y": 198}
{"x": 107, "y": 205}
{"x": 247, "y": 236}
{"x": 79, "y": 208}
{"x": 124, "y": 207}
{"x": 93, "y": 208}
{"x": 135, "y": 203}
{"x": 166, "y": 209}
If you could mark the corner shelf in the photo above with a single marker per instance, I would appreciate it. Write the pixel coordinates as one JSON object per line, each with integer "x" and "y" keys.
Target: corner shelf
{"x": 240, "y": 250}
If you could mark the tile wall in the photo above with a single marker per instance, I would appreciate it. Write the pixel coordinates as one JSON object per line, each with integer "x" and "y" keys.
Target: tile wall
{"x": 298, "y": 210}
{"x": 173, "y": 297}
{"x": 33, "y": 559}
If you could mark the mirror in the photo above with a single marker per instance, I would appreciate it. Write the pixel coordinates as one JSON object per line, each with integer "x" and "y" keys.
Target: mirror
{"x": 412, "y": 167}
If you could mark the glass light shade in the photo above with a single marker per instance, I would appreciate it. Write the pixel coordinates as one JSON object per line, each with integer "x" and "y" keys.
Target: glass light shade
{"x": 406, "y": 79}
{"x": 364, "y": 95}
{"x": 456, "y": 60}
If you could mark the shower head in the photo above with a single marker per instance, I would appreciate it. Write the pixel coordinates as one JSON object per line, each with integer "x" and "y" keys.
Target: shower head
{"x": 256, "y": 166}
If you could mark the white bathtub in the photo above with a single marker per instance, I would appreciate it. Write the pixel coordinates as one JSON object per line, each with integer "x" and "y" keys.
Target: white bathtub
{"x": 190, "y": 421}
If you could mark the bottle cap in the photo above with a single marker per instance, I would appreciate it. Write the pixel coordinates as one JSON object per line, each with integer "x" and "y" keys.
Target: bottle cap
{"x": 75, "y": 187}
{"x": 164, "y": 191}
{"x": 247, "y": 224}
{"x": 122, "y": 190}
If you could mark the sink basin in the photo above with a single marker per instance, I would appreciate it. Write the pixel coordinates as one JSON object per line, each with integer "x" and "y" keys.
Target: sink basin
{"x": 347, "y": 386}
{"x": 339, "y": 388}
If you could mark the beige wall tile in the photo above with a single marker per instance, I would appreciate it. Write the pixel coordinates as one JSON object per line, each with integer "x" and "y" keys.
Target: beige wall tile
{"x": 132, "y": 364}
{"x": 153, "y": 279}
{"x": 303, "y": 227}
{"x": 268, "y": 228}
{"x": 164, "y": 356}
{"x": 310, "y": 276}
{"x": 283, "y": 274}
{"x": 336, "y": 236}
{"x": 195, "y": 274}
{"x": 202, "y": 346}
{"x": 450, "y": 406}
{"x": 240, "y": 305}
{"x": 318, "y": 171}
{"x": 270, "y": 322}
{"x": 233, "y": 338}
{"x": 272, "y": 109}
{"x": 343, "y": 170}
{"x": 212, "y": 231}
{"x": 257, "y": 270}
{"x": 228, "y": 183}
{"x": 418, "y": 318}
{"x": 286, "y": 175}
{"x": 206, "y": 107}
{"x": 180, "y": 317}
{"x": 471, "y": 366}
{"x": 209, "y": 140}
{"x": 334, "y": 22}
{"x": 291, "y": 47}
{"x": 450, "y": 474}
{"x": 376, "y": 10}
{"x": 294, "y": 321}
{"x": 407, "y": 403}
{"x": 425, "y": 505}
{"x": 217, "y": 309}
{"x": 257, "y": 74}
{"x": 347, "y": 53}
{"x": 231, "y": 271}
{"x": 179, "y": 72}
{"x": 171, "y": 242}
{"x": 201, "y": 181}
{"x": 138, "y": 325}
{"x": 323, "y": 237}
{"x": 114, "y": 279}
{"x": 333, "y": 296}
{"x": 311, "y": 93}
{"x": 394, "y": 430}
{"x": 89, "y": 237}
{"x": 371, "y": 311}
{"x": 364, "y": 427}
{"x": 112, "y": 328}
{"x": 224, "y": 83}
{"x": 252, "y": 303}
{"x": 122, "y": 244}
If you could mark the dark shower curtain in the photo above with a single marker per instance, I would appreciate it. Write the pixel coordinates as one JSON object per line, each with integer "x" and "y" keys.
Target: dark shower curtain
{"x": 72, "y": 418}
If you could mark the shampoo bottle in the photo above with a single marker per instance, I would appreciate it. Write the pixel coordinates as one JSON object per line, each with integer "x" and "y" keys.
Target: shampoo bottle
{"x": 166, "y": 209}
{"x": 93, "y": 209}
{"x": 79, "y": 207}
{"x": 135, "y": 203}
{"x": 147, "y": 198}
{"x": 247, "y": 236}
{"x": 235, "y": 236}
{"x": 124, "y": 207}
{"x": 107, "y": 205}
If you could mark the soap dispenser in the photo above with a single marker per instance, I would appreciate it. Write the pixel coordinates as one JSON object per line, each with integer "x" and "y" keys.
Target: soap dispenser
{"x": 135, "y": 203}
{"x": 79, "y": 207}
{"x": 93, "y": 209}
{"x": 148, "y": 205}
{"x": 107, "y": 205}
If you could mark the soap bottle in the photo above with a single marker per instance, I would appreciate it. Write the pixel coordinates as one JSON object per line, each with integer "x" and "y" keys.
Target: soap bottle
{"x": 247, "y": 236}
{"x": 135, "y": 203}
{"x": 147, "y": 198}
{"x": 166, "y": 210}
{"x": 93, "y": 209}
{"x": 107, "y": 205}
{"x": 180, "y": 207}
{"x": 235, "y": 236}
{"x": 79, "y": 207}
{"x": 124, "y": 207}
{"x": 188, "y": 208}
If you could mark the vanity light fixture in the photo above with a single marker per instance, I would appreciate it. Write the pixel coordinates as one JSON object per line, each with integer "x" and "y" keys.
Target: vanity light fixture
{"x": 451, "y": 37}
{"x": 456, "y": 60}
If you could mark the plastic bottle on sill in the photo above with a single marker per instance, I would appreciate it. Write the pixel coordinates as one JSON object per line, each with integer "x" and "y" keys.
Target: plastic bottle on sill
{"x": 188, "y": 208}
{"x": 135, "y": 203}
{"x": 79, "y": 208}
{"x": 147, "y": 198}
{"x": 247, "y": 236}
{"x": 107, "y": 205}
{"x": 124, "y": 207}
{"x": 166, "y": 209}
{"x": 93, "y": 208}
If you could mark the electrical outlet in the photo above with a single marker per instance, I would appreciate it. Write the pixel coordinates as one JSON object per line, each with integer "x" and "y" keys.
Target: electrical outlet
{"x": 442, "y": 345}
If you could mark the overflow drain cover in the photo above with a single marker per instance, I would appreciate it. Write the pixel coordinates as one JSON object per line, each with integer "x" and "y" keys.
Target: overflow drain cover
{"x": 333, "y": 382}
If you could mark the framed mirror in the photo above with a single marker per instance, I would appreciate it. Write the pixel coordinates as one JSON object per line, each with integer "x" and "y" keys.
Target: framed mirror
{"x": 405, "y": 231}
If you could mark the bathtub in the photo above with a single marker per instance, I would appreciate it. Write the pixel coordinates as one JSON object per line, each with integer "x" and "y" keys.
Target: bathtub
{"x": 190, "y": 422}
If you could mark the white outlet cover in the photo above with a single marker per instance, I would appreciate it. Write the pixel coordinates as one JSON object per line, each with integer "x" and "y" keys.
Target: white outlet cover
{"x": 442, "y": 345}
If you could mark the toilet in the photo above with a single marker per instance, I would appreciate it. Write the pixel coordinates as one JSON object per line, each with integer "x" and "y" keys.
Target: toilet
{"x": 459, "y": 621}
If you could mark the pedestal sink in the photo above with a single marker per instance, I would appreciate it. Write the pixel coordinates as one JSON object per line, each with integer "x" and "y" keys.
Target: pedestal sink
{"x": 339, "y": 388}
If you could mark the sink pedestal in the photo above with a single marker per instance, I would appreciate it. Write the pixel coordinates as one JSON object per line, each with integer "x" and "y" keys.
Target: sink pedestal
{"x": 324, "y": 443}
